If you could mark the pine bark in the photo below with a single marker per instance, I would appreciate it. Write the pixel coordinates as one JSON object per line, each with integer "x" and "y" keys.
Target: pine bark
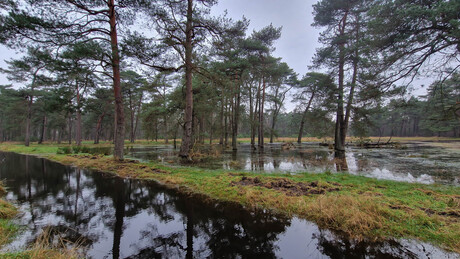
{"x": 261, "y": 116}
{"x": 119, "y": 137}
{"x": 78, "y": 118}
{"x": 99, "y": 128}
{"x": 304, "y": 116}
{"x": 340, "y": 128}
{"x": 43, "y": 130}
{"x": 187, "y": 135}
{"x": 236, "y": 117}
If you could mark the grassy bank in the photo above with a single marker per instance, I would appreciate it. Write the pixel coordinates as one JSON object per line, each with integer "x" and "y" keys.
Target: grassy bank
{"x": 7, "y": 212}
{"x": 359, "y": 207}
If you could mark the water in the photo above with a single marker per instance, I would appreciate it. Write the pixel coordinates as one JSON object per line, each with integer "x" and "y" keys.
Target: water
{"x": 417, "y": 162}
{"x": 125, "y": 218}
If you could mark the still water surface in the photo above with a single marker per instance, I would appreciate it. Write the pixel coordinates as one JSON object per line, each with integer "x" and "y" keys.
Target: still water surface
{"x": 415, "y": 162}
{"x": 125, "y": 218}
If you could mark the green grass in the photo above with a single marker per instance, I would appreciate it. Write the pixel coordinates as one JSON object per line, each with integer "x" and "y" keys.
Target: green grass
{"x": 8, "y": 211}
{"x": 362, "y": 208}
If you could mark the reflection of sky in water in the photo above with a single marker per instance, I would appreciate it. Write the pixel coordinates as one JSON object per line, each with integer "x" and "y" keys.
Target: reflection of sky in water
{"x": 415, "y": 163}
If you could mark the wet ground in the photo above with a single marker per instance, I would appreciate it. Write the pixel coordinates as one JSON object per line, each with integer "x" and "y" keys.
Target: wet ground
{"x": 422, "y": 162}
{"x": 125, "y": 218}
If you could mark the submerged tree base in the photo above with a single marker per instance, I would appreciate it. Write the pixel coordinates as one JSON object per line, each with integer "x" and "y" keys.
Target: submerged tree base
{"x": 360, "y": 208}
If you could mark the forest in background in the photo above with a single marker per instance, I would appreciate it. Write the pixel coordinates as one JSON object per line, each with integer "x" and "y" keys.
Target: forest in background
{"x": 116, "y": 70}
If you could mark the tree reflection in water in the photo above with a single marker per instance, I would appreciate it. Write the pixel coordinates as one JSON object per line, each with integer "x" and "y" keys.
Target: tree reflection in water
{"x": 125, "y": 218}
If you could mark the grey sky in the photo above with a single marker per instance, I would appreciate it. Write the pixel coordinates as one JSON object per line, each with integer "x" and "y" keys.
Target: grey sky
{"x": 298, "y": 39}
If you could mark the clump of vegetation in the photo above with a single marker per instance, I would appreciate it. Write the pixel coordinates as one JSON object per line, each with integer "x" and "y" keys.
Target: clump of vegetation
{"x": 64, "y": 150}
{"x": 201, "y": 153}
{"x": 7, "y": 212}
{"x": 359, "y": 218}
{"x": 81, "y": 149}
{"x": 47, "y": 246}
{"x": 100, "y": 151}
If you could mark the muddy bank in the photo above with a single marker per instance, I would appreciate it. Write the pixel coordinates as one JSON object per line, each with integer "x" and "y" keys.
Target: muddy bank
{"x": 290, "y": 187}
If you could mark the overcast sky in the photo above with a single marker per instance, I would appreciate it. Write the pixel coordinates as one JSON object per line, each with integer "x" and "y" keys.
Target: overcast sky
{"x": 298, "y": 39}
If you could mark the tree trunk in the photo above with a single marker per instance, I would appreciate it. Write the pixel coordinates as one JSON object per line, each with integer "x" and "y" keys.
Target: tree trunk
{"x": 166, "y": 130}
{"x": 226, "y": 124}
{"x": 175, "y": 137}
{"x": 255, "y": 119}
{"x": 340, "y": 121}
{"x": 221, "y": 141}
{"x": 59, "y": 136}
{"x": 272, "y": 129}
{"x": 251, "y": 116}
{"x": 274, "y": 115}
{"x": 136, "y": 123}
{"x": 28, "y": 120}
{"x": 78, "y": 119}
{"x": 29, "y": 107}
{"x": 43, "y": 130}
{"x": 202, "y": 127}
{"x": 131, "y": 118}
{"x": 304, "y": 115}
{"x": 187, "y": 135}
{"x": 99, "y": 128}
{"x": 119, "y": 137}
{"x": 70, "y": 129}
{"x": 210, "y": 130}
{"x": 353, "y": 84}
{"x": 261, "y": 116}
{"x": 236, "y": 118}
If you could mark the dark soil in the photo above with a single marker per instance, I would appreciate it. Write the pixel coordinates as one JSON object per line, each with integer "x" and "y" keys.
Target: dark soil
{"x": 448, "y": 213}
{"x": 289, "y": 187}
{"x": 429, "y": 212}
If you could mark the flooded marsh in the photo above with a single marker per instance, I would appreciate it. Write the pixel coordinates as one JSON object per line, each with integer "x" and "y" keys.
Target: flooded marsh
{"x": 422, "y": 162}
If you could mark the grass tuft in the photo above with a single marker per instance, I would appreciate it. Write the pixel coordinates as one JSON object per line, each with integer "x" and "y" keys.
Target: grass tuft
{"x": 356, "y": 218}
{"x": 47, "y": 246}
{"x": 7, "y": 211}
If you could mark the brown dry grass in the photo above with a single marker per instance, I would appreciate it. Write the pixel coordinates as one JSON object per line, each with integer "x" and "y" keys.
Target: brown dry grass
{"x": 7, "y": 212}
{"x": 358, "y": 218}
{"x": 53, "y": 248}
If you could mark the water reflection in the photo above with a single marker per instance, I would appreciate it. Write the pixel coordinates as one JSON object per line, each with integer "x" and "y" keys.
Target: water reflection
{"x": 416, "y": 163}
{"x": 125, "y": 218}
